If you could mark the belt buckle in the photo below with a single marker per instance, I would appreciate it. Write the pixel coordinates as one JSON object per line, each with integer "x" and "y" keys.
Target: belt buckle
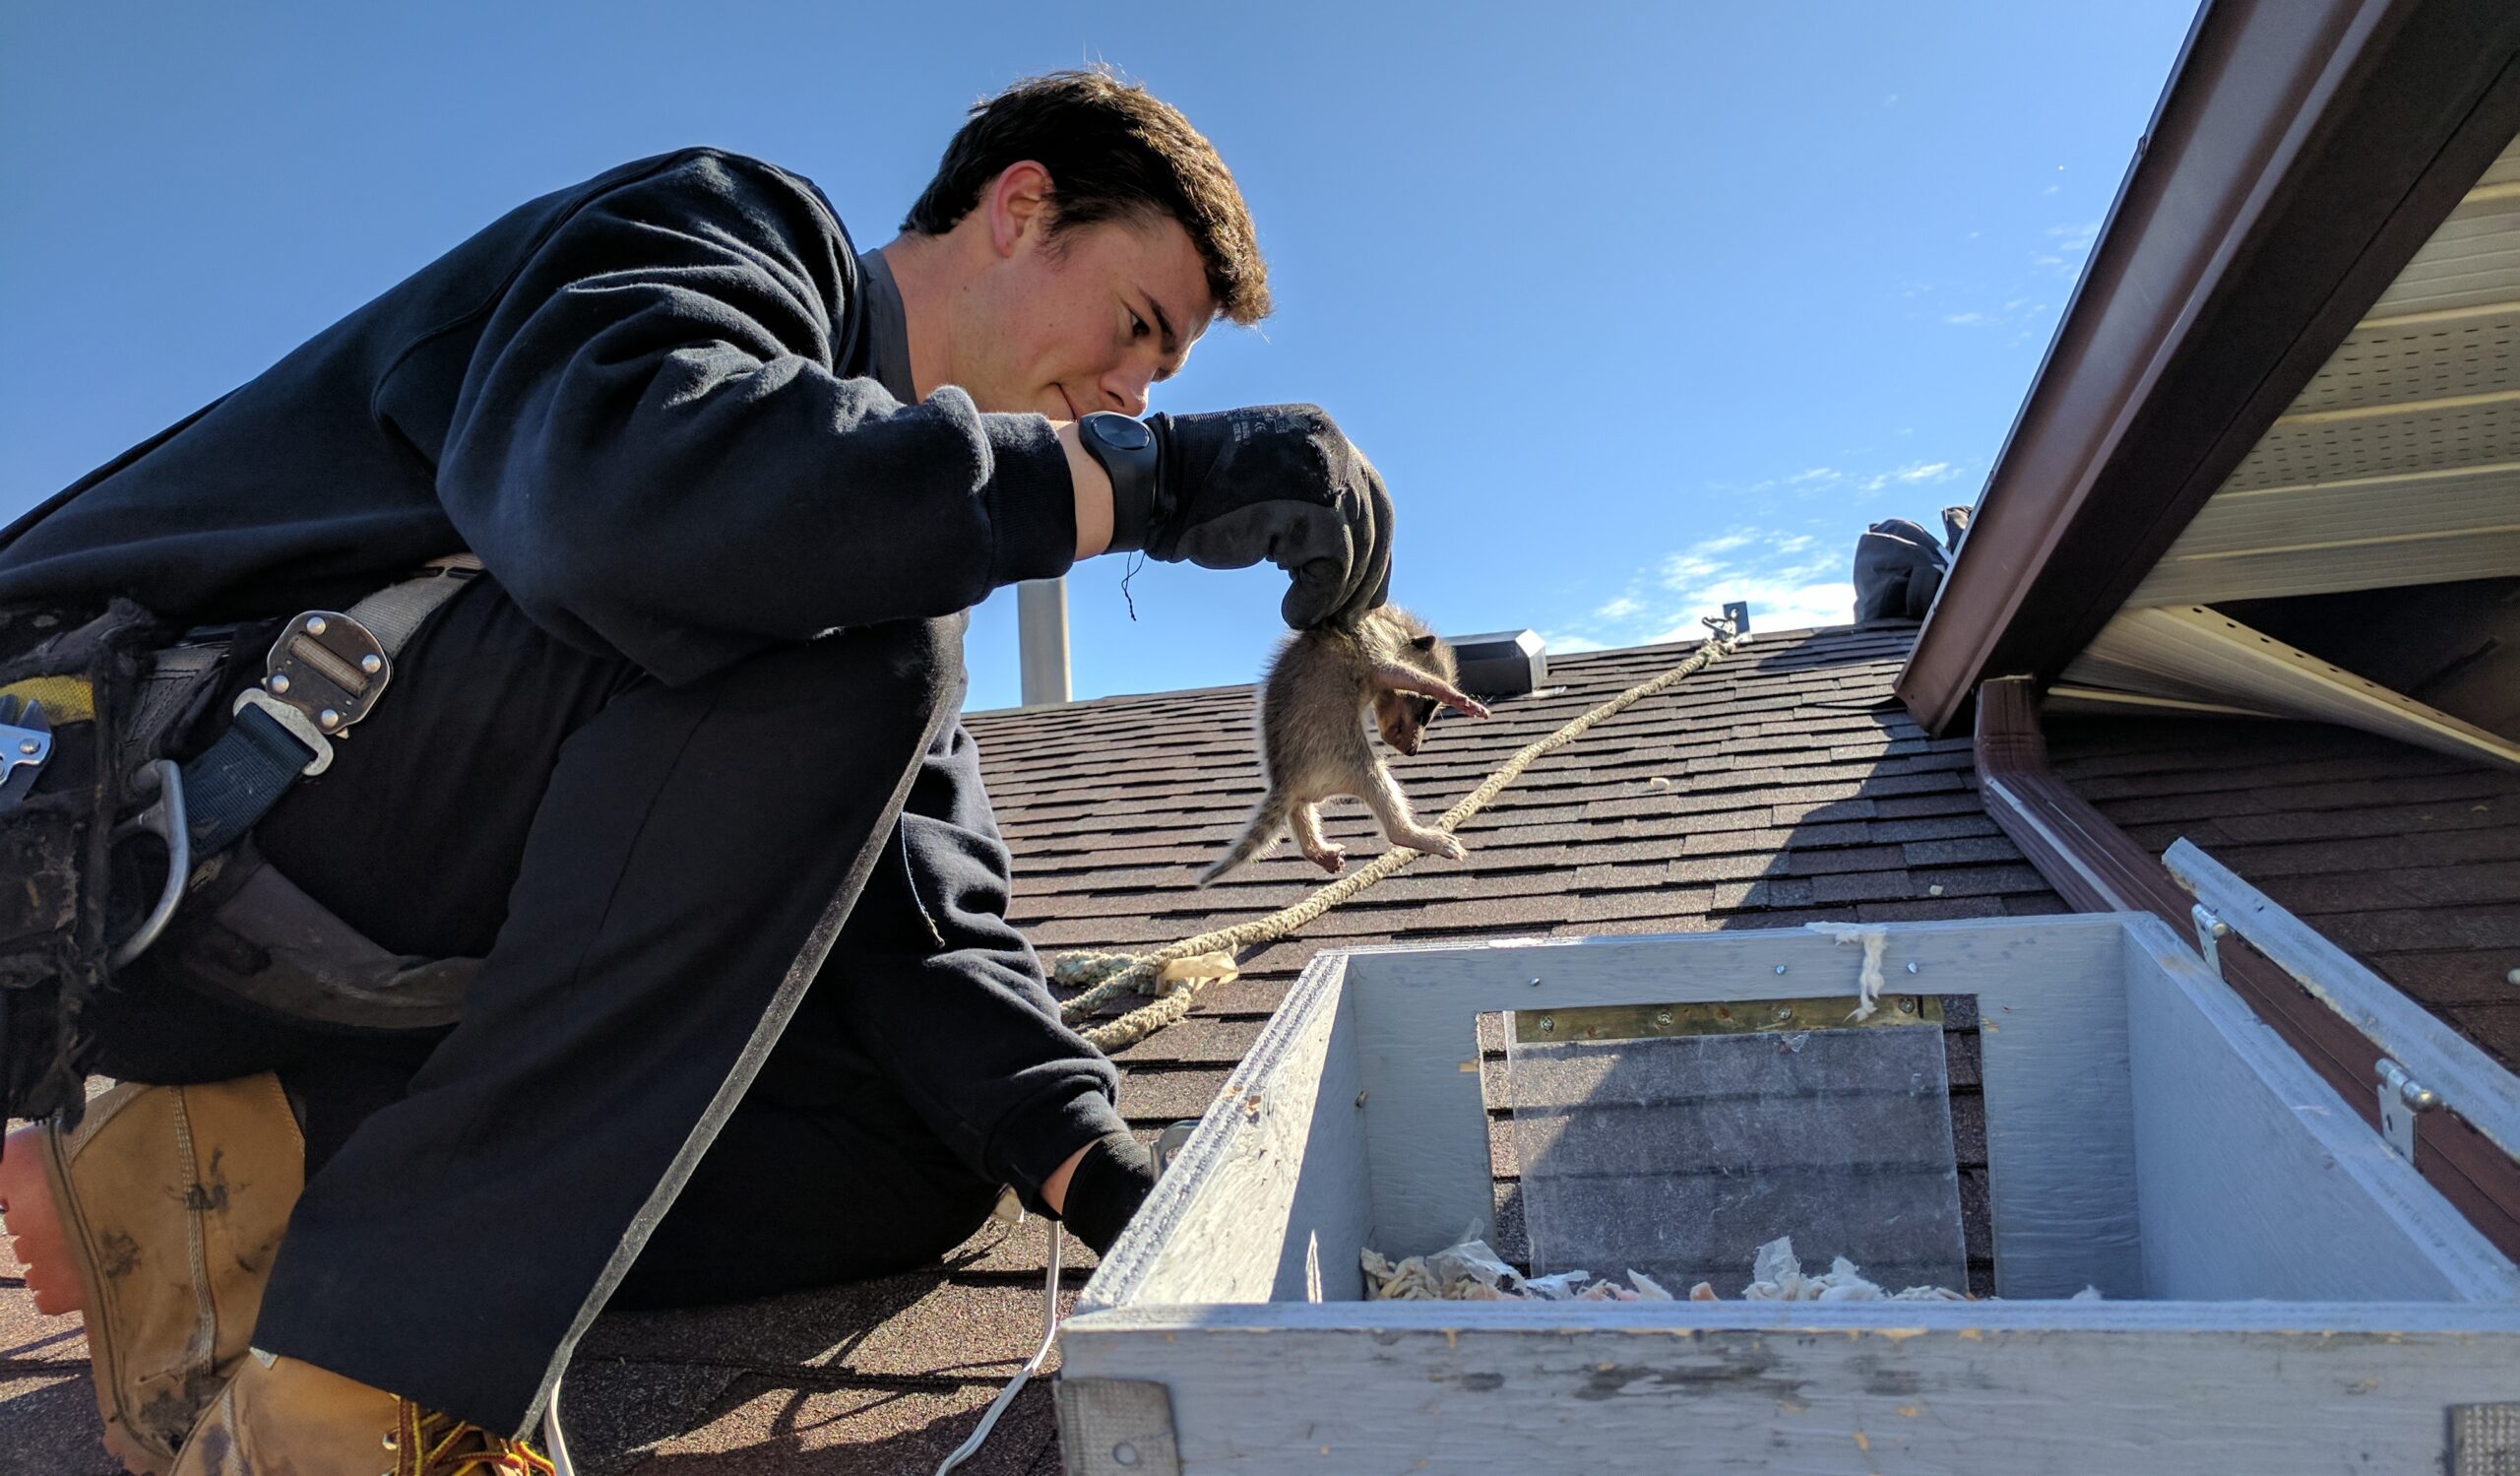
{"x": 329, "y": 667}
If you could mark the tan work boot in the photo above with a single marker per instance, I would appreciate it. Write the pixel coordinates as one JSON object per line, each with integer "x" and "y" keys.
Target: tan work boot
{"x": 283, "y": 1417}
{"x": 157, "y": 1218}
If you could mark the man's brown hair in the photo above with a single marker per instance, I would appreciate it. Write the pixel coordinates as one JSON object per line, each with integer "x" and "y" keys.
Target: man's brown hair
{"x": 1113, "y": 151}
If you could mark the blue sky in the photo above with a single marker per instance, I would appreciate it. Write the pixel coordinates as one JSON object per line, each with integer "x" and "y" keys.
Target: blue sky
{"x": 1638, "y": 307}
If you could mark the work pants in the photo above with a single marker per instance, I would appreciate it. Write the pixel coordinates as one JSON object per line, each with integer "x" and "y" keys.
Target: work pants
{"x": 655, "y": 879}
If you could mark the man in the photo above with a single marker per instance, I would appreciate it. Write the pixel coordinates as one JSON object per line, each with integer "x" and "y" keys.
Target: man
{"x": 683, "y": 763}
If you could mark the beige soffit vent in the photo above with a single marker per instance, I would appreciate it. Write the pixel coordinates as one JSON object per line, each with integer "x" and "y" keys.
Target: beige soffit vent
{"x": 2399, "y": 462}
{"x": 2192, "y": 658}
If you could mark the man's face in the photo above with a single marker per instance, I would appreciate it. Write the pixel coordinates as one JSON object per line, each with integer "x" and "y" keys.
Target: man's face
{"x": 1082, "y": 319}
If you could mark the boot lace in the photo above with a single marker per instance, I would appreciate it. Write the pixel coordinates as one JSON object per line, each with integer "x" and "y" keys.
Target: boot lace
{"x": 436, "y": 1445}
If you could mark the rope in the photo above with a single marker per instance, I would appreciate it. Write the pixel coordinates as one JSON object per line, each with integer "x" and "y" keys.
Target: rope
{"x": 1107, "y": 975}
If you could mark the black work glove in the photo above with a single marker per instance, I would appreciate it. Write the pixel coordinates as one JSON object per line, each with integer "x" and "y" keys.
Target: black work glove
{"x": 1111, "y": 1182}
{"x": 1273, "y": 481}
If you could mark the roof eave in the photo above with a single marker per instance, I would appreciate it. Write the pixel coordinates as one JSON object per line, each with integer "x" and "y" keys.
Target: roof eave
{"x": 2301, "y": 152}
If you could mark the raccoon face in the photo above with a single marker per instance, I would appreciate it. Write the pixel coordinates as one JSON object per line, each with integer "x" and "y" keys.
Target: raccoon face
{"x": 1402, "y": 718}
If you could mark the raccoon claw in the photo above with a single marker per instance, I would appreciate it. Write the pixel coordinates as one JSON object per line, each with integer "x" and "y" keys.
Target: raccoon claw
{"x": 1436, "y": 842}
{"x": 1331, "y": 859}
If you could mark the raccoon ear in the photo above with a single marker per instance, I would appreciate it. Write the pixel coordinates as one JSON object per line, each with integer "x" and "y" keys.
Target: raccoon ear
{"x": 1424, "y": 643}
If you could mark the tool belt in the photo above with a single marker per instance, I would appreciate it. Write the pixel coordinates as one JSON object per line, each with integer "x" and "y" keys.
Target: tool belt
{"x": 104, "y": 838}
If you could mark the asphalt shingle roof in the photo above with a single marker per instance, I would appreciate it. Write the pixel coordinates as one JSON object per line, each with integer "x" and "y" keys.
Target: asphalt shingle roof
{"x": 1781, "y": 786}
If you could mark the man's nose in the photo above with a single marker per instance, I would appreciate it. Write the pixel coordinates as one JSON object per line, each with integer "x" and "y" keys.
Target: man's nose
{"x": 1127, "y": 390}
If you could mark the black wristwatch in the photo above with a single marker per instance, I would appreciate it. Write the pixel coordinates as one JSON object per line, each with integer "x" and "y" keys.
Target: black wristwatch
{"x": 1127, "y": 451}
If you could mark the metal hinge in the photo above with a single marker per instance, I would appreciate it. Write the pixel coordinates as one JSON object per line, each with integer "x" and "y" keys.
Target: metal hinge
{"x": 2401, "y": 1098}
{"x": 1116, "y": 1427}
{"x": 2484, "y": 1439}
{"x": 2209, "y": 931}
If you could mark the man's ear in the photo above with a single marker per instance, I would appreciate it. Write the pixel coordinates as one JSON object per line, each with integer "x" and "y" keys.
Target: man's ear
{"x": 1424, "y": 643}
{"x": 1019, "y": 200}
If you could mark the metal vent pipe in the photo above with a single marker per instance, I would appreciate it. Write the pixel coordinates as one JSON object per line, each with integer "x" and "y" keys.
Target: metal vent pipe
{"x": 1041, "y": 626}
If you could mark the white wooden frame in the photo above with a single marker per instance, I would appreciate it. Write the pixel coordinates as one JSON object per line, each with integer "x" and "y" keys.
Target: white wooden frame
{"x": 2303, "y": 1291}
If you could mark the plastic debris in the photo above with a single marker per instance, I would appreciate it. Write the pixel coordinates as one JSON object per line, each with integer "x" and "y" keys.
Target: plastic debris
{"x": 1777, "y": 1277}
{"x": 1470, "y": 1272}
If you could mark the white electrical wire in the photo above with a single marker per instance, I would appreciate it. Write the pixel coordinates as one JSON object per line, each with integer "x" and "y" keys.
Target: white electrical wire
{"x": 554, "y": 1446}
{"x": 1006, "y": 1396}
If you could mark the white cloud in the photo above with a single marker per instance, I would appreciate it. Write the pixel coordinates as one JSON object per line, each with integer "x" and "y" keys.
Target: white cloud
{"x": 1967, "y": 319}
{"x": 1911, "y": 475}
{"x": 1619, "y": 609}
{"x": 1568, "y": 645}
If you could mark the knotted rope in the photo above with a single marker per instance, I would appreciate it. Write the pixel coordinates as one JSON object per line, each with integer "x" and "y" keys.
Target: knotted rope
{"x": 1107, "y": 975}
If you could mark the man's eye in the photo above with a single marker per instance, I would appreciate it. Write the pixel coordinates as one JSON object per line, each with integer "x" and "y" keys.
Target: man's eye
{"x": 1137, "y": 327}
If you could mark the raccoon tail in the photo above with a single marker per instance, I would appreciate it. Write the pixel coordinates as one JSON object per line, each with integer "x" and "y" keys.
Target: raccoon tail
{"x": 1258, "y": 834}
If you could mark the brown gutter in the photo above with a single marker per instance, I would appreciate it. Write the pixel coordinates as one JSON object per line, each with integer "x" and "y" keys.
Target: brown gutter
{"x": 2096, "y": 867}
{"x": 2302, "y": 152}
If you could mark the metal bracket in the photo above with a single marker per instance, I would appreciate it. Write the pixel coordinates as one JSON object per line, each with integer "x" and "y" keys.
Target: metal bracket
{"x": 2484, "y": 1439}
{"x": 2401, "y": 1098}
{"x": 1117, "y": 1426}
{"x": 329, "y": 667}
{"x": 2209, "y": 930}
{"x": 1739, "y": 612}
{"x": 1169, "y": 1143}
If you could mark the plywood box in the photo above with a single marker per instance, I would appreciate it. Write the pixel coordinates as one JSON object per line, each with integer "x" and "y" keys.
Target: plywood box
{"x": 2283, "y": 1293}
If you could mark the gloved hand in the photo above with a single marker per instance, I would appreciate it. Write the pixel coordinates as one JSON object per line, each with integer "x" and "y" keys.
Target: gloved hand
{"x": 1280, "y": 483}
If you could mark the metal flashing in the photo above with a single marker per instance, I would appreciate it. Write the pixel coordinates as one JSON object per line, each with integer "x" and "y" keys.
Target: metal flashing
{"x": 2303, "y": 154}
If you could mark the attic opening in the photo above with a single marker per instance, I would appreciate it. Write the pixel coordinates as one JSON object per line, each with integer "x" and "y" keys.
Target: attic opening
{"x": 1675, "y": 1140}
{"x": 2454, "y": 647}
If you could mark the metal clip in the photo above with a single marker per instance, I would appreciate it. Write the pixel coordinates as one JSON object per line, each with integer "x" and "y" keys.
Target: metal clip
{"x": 329, "y": 667}
{"x": 163, "y": 819}
{"x": 26, "y": 742}
{"x": 2209, "y": 927}
{"x": 300, "y": 727}
{"x": 1169, "y": 1143}
{"x": 2401, "y": 1098}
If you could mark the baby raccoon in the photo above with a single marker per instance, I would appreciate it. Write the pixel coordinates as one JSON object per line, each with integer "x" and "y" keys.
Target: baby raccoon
{"x": 1312, "y": 744}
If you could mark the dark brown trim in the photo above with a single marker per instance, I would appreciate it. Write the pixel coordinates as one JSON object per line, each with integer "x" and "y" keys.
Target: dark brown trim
{"x": 2301, "y": 154}
{"x": 2096, "y": 867}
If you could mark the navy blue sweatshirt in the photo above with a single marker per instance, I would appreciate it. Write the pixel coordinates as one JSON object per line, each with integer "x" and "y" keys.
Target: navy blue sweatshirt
{"x": 655, "y": 406}
{"x": 642, "y": 401}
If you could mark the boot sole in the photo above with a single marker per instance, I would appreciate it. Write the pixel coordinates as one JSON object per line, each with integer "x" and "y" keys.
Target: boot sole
{"x": 52, "y": 1244}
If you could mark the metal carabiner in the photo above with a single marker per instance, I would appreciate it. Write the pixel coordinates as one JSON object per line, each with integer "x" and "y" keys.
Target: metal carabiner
{"x": 163, "y": 819}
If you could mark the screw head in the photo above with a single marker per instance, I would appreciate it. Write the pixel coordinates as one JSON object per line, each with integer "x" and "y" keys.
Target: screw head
{"x": 1548, "y": 1023}
{"x": 28, "y": 746}
{"x": 1534, "y": 983}
{"x": 1780, "y": 968}
{"x": 1662, "y": 1017}
{"x": 371, "y": 663}
{"x": 1124, "y": 1454}
{"x": 1907, "y": 1006}
{"x": 278, "y": 683}
{"x": 327, "y": 720}
{"x": 2512, "y": 978}
{"x": 1784, "y": 1011}
{"x": 1912, "y": 966}
{"x": 314, "y": 625}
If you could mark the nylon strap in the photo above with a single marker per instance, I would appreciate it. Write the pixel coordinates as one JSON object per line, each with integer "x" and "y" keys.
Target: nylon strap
{"x": 236, "y": 781}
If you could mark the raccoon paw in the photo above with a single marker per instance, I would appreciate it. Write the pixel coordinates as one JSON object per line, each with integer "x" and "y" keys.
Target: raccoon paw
{"x": 1436, "y": 843}
{"x": 1331, "y": 858}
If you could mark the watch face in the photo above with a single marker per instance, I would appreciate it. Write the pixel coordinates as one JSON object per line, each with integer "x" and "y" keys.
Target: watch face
{"x": 1115, "y": 429}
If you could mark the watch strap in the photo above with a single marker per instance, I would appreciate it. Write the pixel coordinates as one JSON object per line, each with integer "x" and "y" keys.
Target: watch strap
{"x": 1127, "y": 450}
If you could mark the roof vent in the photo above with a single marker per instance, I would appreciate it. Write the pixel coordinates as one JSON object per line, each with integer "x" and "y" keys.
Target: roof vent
{"x": 1501, "y": 664}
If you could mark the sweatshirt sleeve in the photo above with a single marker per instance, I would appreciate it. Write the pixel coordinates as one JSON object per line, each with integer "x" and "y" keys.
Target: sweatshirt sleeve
{"x": 933, "y": 982}
{"x": 652, "y": 452}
